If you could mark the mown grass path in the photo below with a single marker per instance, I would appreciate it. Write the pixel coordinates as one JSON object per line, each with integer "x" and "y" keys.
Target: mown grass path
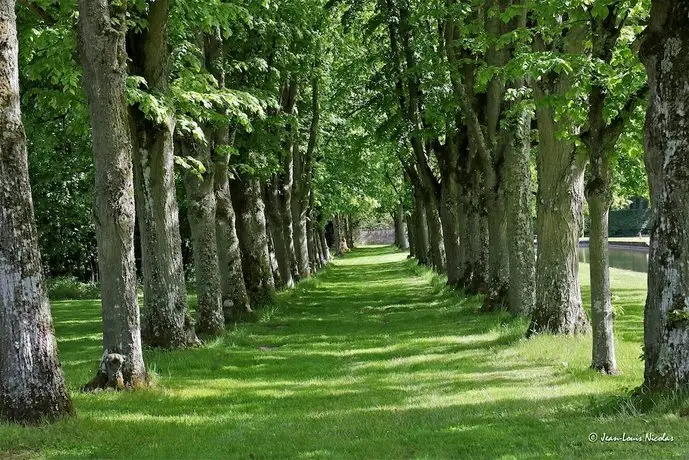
{"x": 373, "y": 359}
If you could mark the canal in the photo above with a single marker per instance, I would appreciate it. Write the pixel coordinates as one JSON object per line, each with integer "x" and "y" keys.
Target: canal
{"x": 634, "y": 259}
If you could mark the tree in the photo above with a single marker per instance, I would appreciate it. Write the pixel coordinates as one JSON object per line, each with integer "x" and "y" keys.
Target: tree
{"x": 303, "y": 175}
{"x": 102, "y": 30}
{"x": 235, "y": 300}
{"x": 666, "y": 326}
{"x": 561, "y": 168}
{"x": 32, "y": 386}
{"x": 202, "y": 208}
{"x": 607, "y": 20}
{"x": 167, "y": 322}
{"x": 278, "y": 194}
{"x": 253, "y": 239}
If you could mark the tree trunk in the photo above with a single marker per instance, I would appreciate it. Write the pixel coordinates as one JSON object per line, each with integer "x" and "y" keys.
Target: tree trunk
{"x": 558, "y": 307}
{"x": 600, "y": 138}
{"x": 32, "y": 385}
{"x": 301, "y": 245}
{"x": 421, "y": 229}
{"x": 233, "y": 296}
{"x": 166, "y": 321}
{"x": 477, "y": 252}
{"x": 235, "y": 300}
{"x": 253, "y": 239}
{"x": 275, "y": 270}
{"x": 411, "y": 234}
{"x": 493, "y": 164}
{"x": 284, "y": 201}
{"x": 464, "y": 238}
{"x": 293, "y": 193}
{"x": 603, "y": 357}
{"x": 278, "y": 230}
{"x": 101, "y": 49}
{"x": 522, "y": 255}
{"x": 349, "y": 231}
{"x": 450, "y": 222}
{"x": 311, "y": 245}
{"x": 324, "y": 244}
{"x": 318, "y": 251}
{"x": 337, "y": 227}
{"x": 666, "y": 324}
{"x": 435, "y": 234}
{"x": 202, "y": 211}
{"x": 400, "y": 232}
{"x": 498, "y": 252}
{"x": 599, "y": 196}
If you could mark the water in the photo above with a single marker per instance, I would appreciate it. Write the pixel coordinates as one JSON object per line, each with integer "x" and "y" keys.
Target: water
{"x": 626, "y": 259}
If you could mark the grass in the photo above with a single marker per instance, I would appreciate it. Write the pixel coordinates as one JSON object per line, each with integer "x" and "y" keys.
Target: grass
{"x": 372, "y": 359}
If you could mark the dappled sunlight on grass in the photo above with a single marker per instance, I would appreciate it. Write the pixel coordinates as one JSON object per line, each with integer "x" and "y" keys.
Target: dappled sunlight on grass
{"x": 374, "y": 358}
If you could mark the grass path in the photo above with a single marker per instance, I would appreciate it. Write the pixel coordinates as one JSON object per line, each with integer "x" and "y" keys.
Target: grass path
{"x": 372, "y": 359}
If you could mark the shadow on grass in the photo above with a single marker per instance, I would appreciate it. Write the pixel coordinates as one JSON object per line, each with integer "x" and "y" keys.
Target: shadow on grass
{"x": 374, "y": 358}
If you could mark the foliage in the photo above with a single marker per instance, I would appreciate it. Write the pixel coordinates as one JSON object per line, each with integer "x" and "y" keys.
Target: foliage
{"x": 70, "y": 288}
{"x": 629, "y": 222}
{"x": 56, "y": 121}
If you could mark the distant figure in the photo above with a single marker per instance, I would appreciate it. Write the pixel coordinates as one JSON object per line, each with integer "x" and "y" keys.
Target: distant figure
{"x": 640, "y": 235}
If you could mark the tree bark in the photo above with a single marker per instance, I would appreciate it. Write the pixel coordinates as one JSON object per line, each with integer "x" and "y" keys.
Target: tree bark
{"x": 202, "y": 211}
{"x": 235, "y": 300}
{"x": 339, "y": 234}
{"x": 421, "y": 228}
{"x": 448, "y": 160}
{"x": 603, "y": 353}
{"x": 101, "y": 33}
{"x": 599, "y": 196}
{"x": 560, "y": 198}
{"x": 289, "y": 198}
{"x": 349, "y": 231}
{"x": 477, "y": 273}
{"x": 600, "y": 139}
{"x": 560, "y": 203}
{"x": 288, "y": 225}
{"x": 275, "y": 270}
{"x": 301, "y": 244}
{"x": 522, "y": 254}
{"x": 278, "y": 229}
{"x": 166, "y": 321}
{"x": 319, "y": 258}
{"x": 324, "y": 244}
{"x": 32, "y": 385}
{"x": 435, "y": 235}
{"x": 401, "y": 240}
{"x": 411, "y": 234}
{"x": 666, "y": 323}
{"x": 498, "y": 252}
{"x": 233, "y": 296}
{"x": 311, "y": 245}
{"x": 494, "y": 162}
{"x": 253, "y": 239}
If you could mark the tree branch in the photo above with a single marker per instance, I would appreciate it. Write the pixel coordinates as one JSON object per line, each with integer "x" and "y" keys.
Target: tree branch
{"x": 614, "y": 129}
{"x": 40, "y": 12}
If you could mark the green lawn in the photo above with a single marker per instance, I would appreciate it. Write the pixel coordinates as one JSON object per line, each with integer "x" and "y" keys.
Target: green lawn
{"x": 373, "y": 359}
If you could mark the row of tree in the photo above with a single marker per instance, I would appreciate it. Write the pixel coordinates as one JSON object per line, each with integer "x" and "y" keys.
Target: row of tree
{"x": 241, "y": 129}
{"x": 228, "y": 92}
{"x": 468, "y": 92}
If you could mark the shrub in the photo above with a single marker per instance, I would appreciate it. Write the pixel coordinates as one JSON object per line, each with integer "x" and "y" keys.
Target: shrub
{"x": 70, "y": 288}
